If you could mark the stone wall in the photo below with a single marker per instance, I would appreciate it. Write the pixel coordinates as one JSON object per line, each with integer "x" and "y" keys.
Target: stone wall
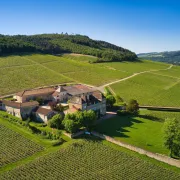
{"x": 156, "y": 156}
{"x": 74, "y": 135}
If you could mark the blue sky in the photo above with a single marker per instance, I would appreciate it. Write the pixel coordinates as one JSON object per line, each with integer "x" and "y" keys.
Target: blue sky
{"x": 138, "y": 25}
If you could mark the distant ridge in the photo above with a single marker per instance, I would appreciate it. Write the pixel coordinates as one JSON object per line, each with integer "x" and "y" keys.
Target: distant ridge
{"x": 172, "y": 57}
{"x": 64, "y": 43}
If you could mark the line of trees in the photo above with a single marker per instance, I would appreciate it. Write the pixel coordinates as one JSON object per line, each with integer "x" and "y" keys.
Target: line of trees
{"x": 72, "y": 122}
{"x": 64, "y": 43}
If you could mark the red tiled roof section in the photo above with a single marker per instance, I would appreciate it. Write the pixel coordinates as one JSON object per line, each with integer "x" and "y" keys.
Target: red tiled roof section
{"x": 55, "y": 93}
{"x": 98, "y": 95}
{"x": 43, "y": 111}
{"x": 29, "y": 104}
{"x": 83, "y": 87}
{"x": 36, "y": 92}
{"x": 19, "y": 105}
{"x": 12, "y": 104}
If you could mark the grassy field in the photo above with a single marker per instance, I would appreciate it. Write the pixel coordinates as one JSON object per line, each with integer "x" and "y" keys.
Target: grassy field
{"x": 15, "y": 147}
{"x": 144, "y": 131}
{"x": 150, "y": 89}
{"x": 20, "y": 72}
{"x": 90, "y": 160}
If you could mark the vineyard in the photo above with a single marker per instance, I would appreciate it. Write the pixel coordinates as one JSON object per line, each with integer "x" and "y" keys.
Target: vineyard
{"x": 79, "y": 57}
{"x": 15, "y": 79}
{"x": 135, "y": 67}
{"x": 173, "y": 72}
{"x": 150, "y": 89}
{"x": 15, "y": 147}
{"x": 87, "y": 159}
{"x": 35, "y": 70}
{"x": 11, "y": 61}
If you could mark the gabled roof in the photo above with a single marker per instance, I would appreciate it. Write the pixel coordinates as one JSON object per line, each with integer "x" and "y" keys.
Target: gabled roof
{"x": 78, "y": 89}
{"x": 35, "y": 92}
{"x": 44, "y": 111}
{"x": 77, "y": 100}
{"x": 19, "y": 105}
{"x": 60, "y": 89}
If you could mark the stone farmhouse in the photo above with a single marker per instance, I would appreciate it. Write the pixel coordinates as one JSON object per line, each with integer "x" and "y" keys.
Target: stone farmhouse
{"x": 77, "y": 97}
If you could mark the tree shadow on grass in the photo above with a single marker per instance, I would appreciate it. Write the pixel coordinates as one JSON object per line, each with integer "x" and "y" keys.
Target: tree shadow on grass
{"x": 151, "y": 117}
{"x": 116, "y": 127}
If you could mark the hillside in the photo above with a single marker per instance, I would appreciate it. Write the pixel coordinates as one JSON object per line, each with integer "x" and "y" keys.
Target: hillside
{"x": 35, "y": 70}
{"x": 172, "y": 57}
{"x": 64, "y": 43}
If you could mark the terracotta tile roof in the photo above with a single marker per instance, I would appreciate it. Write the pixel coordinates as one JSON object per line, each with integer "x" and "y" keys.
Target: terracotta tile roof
{"x": 78, "y": 89}
{"x": 98, "y": 95}
{"x": 29, "y": 104}
{"x": 36, "y": 92}
{"x": 19, "y": 105}
{"x": 55, "y": 93}
{"x": 60, "y": 89}
{"x": 77, "y": 100}
{"x": 43, "y": 111}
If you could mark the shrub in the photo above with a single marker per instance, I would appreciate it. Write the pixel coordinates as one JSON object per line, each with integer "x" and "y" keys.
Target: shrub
{"x": 59, "y": 142}
{"x": 133, "y": 107}
{"x": 56, "y": 121}
{"x": 122, "y": 113}
{"x": 70, "y": 126}
{"x": 110, "y": 100}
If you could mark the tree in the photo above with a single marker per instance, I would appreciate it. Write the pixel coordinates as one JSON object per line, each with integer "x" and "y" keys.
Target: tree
{"x": 58, "y": 108}
{"x": 69, "y": 125}
{"x": 132, "y": 107}
{"x": 118, "y": 99}
{"x": 110, "y": 100}
{"x": 89, "y": 118}
{"x": 56, "y": 121}
{"x": 171, "y": 130}
{"x": 39, "y": 100}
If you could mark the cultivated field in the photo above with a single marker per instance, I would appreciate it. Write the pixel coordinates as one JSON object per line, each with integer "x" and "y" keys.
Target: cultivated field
{"x": 14, "y": 147}
{"x": 90, "y": 160}
{"x": 29, "y": 71}
{"x": 150, "y": 89}
{"x": 14, "y": 79}
{"x": 144, "y": 131}
{"x": 173, "y": 72}
{"x": 135, "y": 67}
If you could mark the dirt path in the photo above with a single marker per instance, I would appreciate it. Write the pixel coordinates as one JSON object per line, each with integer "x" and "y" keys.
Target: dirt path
{"x": 101, "y": 88}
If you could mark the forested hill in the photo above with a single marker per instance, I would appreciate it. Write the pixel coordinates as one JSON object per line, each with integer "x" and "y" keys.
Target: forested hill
{"x": 64, "y": 43}
{"x": 172, "y": 57}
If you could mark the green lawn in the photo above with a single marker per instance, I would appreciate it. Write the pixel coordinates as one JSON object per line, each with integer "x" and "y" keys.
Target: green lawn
{"x": 143, "y": 131}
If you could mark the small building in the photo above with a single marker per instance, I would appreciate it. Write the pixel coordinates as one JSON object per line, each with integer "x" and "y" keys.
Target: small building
{"x": 89, "y": 101}
{"x": 0, "y": 105}
{"x": 27, "y": 95}
{"x": 21, "y": 110}
{"x": 44, "y": 114}
{"x": 60, "y": 94}
{"x": 79, "y": 98}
